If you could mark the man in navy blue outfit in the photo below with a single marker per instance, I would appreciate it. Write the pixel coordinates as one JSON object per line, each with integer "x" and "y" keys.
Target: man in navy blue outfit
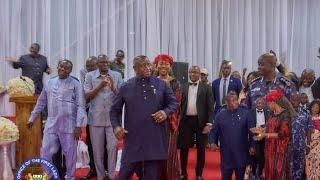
{"x": 232, "y": 128}
{"x": 148, "y": 102}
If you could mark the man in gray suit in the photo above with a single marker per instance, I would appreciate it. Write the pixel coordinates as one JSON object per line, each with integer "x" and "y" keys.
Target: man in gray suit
{"x": 100, "y": 87}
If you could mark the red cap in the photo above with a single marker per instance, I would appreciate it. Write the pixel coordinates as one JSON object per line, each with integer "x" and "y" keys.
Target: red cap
{"x": 163, "y": 57}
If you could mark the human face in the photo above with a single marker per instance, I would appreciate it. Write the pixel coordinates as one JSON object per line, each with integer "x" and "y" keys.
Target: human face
{"x": 232, "y": 102}
{"x": 307, "y": 79}
{"x": 91, "y": 65}
{"x": 295, "y": 100}
{"x": 304, "y": 99}
{"x": 194, "y": 73}
{"x": 163, "y": 68}
{"x": 34, "y": 49}
{"x": 260, "y": 104}
{"x": 251, "y": 78}
{"x": 204, "y": 78}
{"x": 265, "y": 66}
{"x": 120, "y": 57}
{"x": 315, "y": 109}
{"x": 64, "y": 69}
{"x": 143, "y": 68}
{"x": 226, "y": 69}
{"x": 103, "y": 65}
{"x": 275, "y": 108}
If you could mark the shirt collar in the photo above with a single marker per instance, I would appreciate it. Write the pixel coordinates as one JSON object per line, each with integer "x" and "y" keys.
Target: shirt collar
{"x": 228, "y": 78}
{"x": 139, "y": 79}
{"x": 195, "y": 82}
{"x": 274, "y": 80}
{"x": 97, "y": 73}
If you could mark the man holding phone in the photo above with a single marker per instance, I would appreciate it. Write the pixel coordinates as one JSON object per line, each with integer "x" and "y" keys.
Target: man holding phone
{"x": 100, "y": 88}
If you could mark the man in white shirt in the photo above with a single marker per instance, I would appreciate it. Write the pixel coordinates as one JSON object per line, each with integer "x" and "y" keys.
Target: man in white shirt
{"x": 196, "y": 118}
{"x": 260, "y": 115}
{"x": 308, "y": 84}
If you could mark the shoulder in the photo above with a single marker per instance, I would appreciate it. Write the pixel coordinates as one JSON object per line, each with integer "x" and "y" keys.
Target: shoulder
{"x": 90, "y": 74}
{"x": 216, "y": 81}
{"x": 233, "y": 79}
{"x": 256, "y": 81}
{"x": 42, "y": 57}
{"x": 114, "y": 73}
{"x": 52, "y": 80}
{"x": 74, "y": 79}
{"x": 285, "y": 81}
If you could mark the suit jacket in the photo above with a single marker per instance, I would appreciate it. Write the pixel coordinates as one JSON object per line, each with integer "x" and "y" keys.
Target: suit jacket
{"x": 315, "y": 89}
{"x": 234, "y": 85}
{"x": 204, "y": 104}
{"x": 254, "y": 114}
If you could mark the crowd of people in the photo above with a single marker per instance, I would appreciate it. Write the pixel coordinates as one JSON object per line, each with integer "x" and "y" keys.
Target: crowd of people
{"x": 265, "y": 124}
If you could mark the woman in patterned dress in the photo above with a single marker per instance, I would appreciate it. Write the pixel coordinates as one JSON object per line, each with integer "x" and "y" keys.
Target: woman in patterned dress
{"x": 313, "y": 157}
{"x": 277, "y": 136}
{"x": 163, "y": 66}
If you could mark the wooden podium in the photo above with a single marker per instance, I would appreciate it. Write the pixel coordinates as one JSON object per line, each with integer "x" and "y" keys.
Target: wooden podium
{"x": 29, "y": 142}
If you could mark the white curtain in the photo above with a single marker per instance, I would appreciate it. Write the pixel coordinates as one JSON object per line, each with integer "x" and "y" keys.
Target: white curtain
{"x": 201, "y": 32}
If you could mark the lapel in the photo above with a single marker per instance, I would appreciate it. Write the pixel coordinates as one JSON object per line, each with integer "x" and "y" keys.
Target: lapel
{"x": 199, "y": 89}
{"x": 314, "y": 89}
{"x": 229, "y": 85}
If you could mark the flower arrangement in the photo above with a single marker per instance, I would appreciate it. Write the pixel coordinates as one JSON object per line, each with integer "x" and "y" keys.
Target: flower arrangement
{"x": 8, "y": 130}
{"x": 21, "y": 86}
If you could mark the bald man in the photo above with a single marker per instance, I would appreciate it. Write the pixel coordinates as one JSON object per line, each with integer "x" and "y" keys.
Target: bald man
{"x": 196, "y": 118}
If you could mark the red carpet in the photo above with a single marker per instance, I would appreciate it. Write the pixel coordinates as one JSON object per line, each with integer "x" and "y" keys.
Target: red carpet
{"x": 211, "y": 170}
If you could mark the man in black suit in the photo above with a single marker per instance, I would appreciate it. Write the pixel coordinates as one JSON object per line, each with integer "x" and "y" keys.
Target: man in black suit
{"x": 261, "y": 116}
{"x": 196, "y": 118}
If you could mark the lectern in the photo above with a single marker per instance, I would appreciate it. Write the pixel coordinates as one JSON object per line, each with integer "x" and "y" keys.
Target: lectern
{"x": 29, "y": 142}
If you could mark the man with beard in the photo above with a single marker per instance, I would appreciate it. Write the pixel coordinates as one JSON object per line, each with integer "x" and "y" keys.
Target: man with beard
{"x": 268, "y": 80}
{"x": 147, "y": 101}
{"x": 63, "y": 95}
{"x": 309, "y": 85}
{"x": 101, "y": 87}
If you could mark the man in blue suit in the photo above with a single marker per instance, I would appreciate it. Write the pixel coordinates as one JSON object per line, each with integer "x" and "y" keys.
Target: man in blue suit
{"x": 148, "y": 102}
{"x": 232, "y": 128}
{"x": 223, "y": 85}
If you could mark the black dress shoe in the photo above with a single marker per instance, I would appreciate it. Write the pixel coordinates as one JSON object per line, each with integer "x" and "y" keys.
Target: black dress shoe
{"x": 199, "y": 178}
{"x": 91, "y": 174}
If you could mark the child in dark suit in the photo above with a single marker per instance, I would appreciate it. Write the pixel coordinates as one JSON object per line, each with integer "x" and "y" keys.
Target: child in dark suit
{"x": 260, "y": 115}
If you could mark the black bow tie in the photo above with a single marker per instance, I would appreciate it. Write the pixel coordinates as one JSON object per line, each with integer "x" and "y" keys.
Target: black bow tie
{"x": 193, "y": 84}
{"x": 260, "y": 111}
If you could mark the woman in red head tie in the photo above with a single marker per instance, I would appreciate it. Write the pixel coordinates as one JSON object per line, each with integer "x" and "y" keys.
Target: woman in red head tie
{"x": 163, "y": 64}
{"x": 313, "y": 158}
{"x": 277, "y": 135}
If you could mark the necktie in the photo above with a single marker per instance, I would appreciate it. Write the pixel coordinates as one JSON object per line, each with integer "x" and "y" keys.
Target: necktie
{"x": 193, "y": 84}
{"x": 260, "y": 111}
{"x": 224, "y": 92}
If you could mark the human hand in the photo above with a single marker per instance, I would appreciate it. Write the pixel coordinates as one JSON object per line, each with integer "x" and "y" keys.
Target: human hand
{"x": 77, "y": 133}
{"x": 120, "y": 132}
{"x": 159, "y": 116}
{"x": 259, "y": 137}
{"x": 252, "y": 151}
{"x": 29, "y": 125}
{"x": 206, "y": 129}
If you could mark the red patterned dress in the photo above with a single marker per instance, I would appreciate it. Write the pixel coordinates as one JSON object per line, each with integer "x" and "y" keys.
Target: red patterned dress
{"x": 171, "y": 171}
{"x": 277, "y": 165}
